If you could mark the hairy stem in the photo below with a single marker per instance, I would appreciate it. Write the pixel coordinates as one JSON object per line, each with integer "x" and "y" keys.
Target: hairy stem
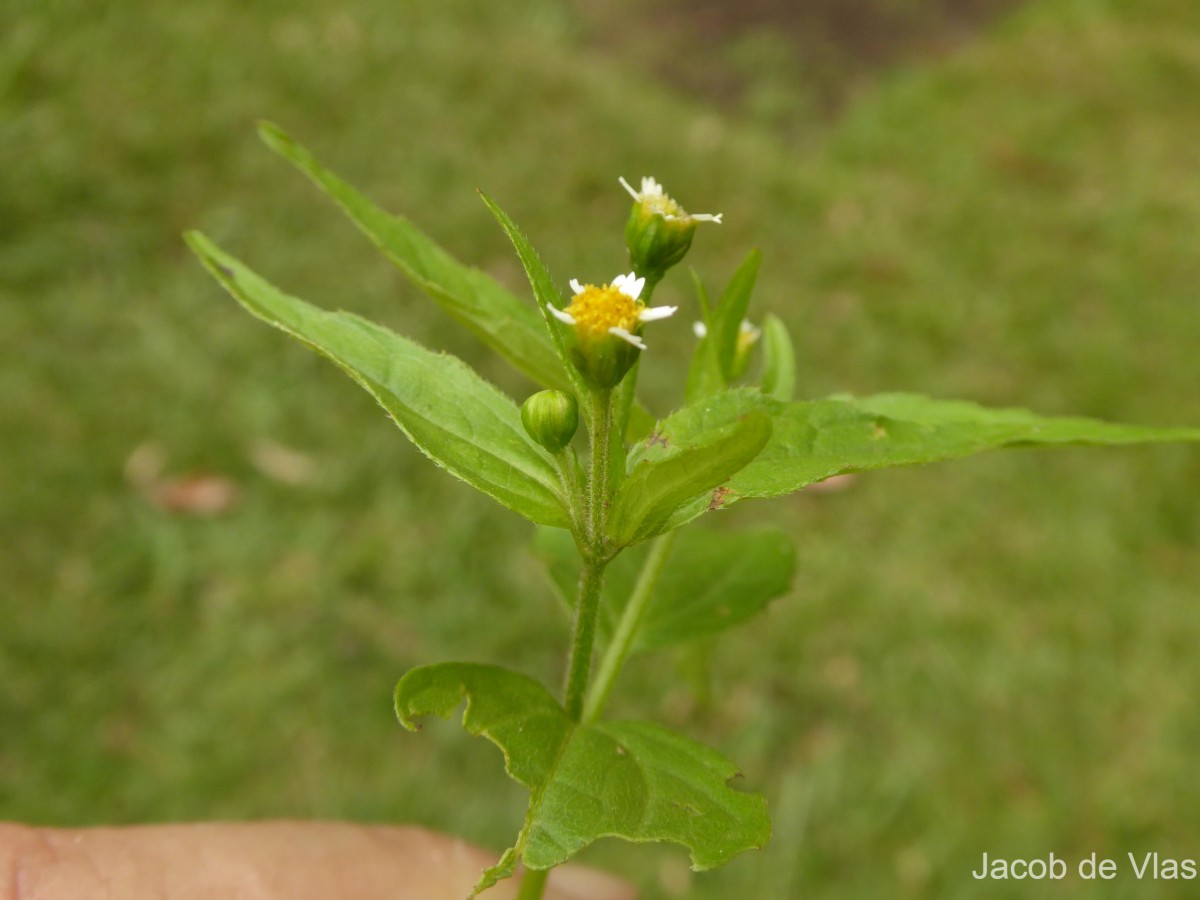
{"x": 627, "y": 628}
{"x": 587, "y": 611}
{"x": 595, "y": 555}
{"x": 600, "y": 435}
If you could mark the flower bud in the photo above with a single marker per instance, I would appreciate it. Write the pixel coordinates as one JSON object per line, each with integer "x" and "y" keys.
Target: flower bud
{"x": 550, "y": 418}
{"x": 659, "y": 231}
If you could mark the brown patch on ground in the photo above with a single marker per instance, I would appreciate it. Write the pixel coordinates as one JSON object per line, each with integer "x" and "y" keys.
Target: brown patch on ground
{"x": 712, "y": 47}
{"x": 874, "y": 32}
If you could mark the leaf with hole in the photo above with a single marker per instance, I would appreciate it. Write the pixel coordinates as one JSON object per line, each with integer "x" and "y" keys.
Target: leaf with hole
{"x": 629, "y": 780}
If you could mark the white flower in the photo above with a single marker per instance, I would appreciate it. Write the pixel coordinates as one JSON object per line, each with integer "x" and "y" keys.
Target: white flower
{"x": 612, "y": 308}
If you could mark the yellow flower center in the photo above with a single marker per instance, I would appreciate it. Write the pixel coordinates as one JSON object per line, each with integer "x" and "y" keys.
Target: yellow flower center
{"x": 664, "y": 206}
{"x": 597, "y": 309}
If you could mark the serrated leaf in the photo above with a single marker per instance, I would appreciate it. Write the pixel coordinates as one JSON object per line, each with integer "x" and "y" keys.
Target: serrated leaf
{"x": 656, "y": 488}
{"x": 507, "y": 324}
{"x": 815, "y": 440}
{"x": 548, "y": 296}
{"x": 457, "y": 419}
{"x": 630, "y": 780}
{"x": 712, "y": 580}
{"x": 779, "y": 360}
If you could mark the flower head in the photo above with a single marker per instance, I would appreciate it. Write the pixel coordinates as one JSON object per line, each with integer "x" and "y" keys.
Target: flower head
{"x": 659, "y": 202}
{"x": 659, "y": 231}
{"x": 607, "y": 323}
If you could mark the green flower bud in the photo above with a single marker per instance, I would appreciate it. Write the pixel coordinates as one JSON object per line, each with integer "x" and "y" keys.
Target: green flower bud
{"x": 659, "y": 231}
{"x": 550, "y": 418}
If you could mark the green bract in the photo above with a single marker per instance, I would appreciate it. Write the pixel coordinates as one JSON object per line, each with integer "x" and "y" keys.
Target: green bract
{"x": 631, "y": 581}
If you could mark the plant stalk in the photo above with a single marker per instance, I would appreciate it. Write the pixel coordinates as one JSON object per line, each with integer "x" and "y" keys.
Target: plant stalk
{"x": 595, "y": 555}
{"x": 627, "y": 628}
{"x": 600, "y": 435}
{"x": 533, "y": 882}
{"x": 587, "y": 611}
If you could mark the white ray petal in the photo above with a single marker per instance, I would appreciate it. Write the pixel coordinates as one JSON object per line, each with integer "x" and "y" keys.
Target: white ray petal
{"x": 630, "y": 284}
{"x": 628, "y": 336}
{"x": 632, "y": 193}
{"x": 576, "y": 286}
{"x": 562, "y": 315}
{"x": 654, "y": 313}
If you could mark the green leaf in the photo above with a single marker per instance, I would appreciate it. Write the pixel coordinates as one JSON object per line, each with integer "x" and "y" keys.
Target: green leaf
{"x": 712, "y": 580}
{"x": 500, "y": 319}
{"x": 456, "y": 418}
{"x": 779, "y": 360}
{"x": 815, "y": 440}
{"x": 704, "y": 373}
{"x": 548, "y": 296}
{"x": 641, "y": 423}
{"x": 630, "y": 780}
{"x": 656, "y": 488}
{"x": 731, "y": 311}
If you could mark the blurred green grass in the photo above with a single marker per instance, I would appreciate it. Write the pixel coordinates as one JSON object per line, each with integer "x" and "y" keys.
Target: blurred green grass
{"x": 991, "y": 655}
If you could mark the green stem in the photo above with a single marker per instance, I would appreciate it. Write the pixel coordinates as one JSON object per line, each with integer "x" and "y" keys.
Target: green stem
{"x": 587, "y": 610}
{"x": 600, "y": 426}
{"x": 627, "y": 628}
{"x": 532, "y": 884}
{"x": 595, "y": 555}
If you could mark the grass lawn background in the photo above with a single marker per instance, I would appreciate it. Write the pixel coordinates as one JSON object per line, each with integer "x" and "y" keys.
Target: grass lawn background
{"x": 996, "y": 654}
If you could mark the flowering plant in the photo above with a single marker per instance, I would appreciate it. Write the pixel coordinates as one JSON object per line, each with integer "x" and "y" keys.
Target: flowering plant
{"x": 610, "y": 518}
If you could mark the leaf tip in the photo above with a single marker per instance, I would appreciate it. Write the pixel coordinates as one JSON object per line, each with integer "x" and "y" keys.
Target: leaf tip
{"x": 209, "y": 254}
{"x": 273, "y": 136}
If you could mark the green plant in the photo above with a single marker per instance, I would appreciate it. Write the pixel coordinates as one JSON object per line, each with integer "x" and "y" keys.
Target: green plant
{"x": 609, "y": 527}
